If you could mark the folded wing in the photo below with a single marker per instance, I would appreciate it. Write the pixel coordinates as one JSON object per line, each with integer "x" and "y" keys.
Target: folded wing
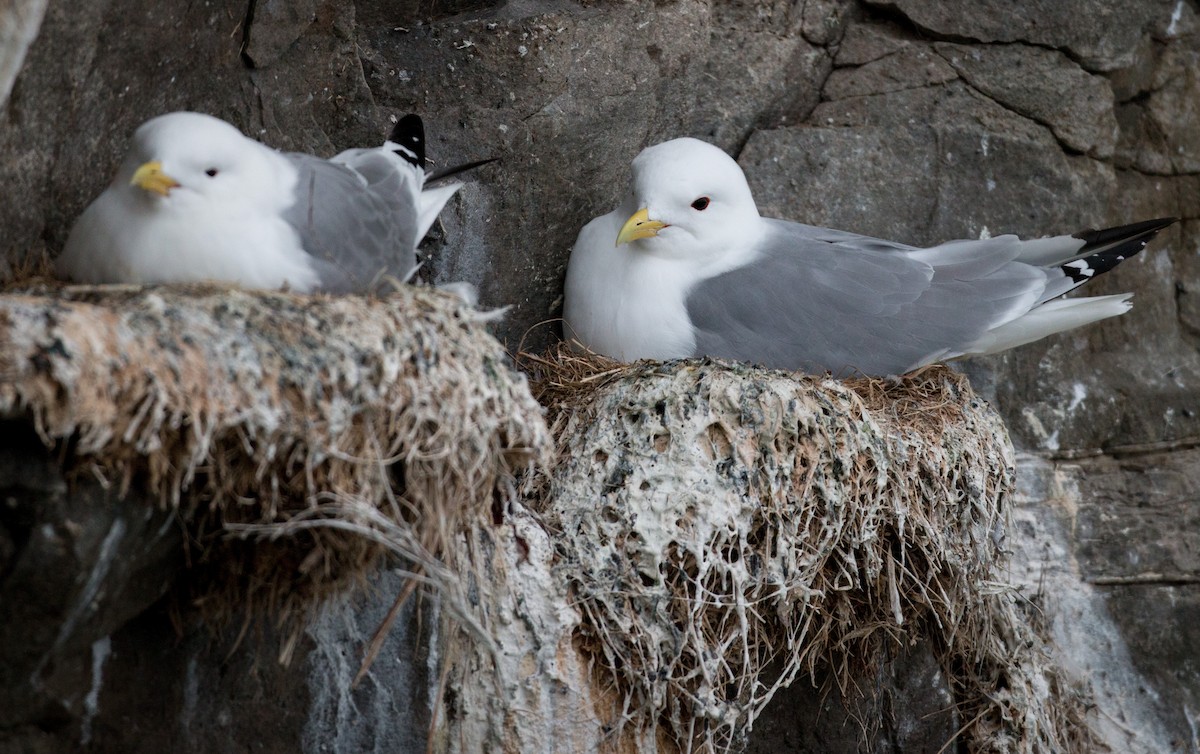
{"x": 820, "y": 300}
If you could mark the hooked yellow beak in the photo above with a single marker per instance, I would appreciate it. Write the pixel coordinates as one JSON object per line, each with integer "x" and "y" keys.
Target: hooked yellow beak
{"x": 639, "y": 226}
{"x": 152, "y": 178}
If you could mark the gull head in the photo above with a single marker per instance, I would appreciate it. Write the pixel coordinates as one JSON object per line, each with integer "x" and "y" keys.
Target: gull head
{"x": 182, "y": 160}
{"x": 692, "y": 203}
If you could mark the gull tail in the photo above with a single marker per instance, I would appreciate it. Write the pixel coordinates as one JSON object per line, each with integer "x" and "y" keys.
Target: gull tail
{"x": 408, "y": 141}
{"x": 429, "y": 203}
{"x": 1047, "y": 319}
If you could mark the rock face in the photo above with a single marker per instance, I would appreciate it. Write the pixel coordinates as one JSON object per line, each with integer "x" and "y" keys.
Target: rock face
{"x": 76, "y": 563}
{"x": 1117, "y": 587}
{"x": 919, "y": 120}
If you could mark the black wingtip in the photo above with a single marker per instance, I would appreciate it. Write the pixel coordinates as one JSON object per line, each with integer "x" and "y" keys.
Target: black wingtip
{"x": 446, "y": 173}
{"x": 1148, "y": 228}
{"x": 1115, "y": 246}
{"x": 409, "y": 134}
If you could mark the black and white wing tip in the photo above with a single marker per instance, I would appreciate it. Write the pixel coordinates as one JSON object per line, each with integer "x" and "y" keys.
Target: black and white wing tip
{"x": 1105, "y": 249}
{"x": 408, "y": 140}
{"x": 437, "y": 175}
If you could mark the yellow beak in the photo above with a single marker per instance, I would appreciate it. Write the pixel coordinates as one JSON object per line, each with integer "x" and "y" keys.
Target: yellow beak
{"x": 152, "y": 178}
{"x": 639, "y": 226}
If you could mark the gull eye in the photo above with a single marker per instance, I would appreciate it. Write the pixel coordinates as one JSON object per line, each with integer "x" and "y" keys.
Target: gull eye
{"x": 211, "y": 172}
{"x": 700, "y": 204}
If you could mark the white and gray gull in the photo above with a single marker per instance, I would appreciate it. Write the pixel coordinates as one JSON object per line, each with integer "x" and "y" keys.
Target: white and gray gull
{"x": 195, "y": 200}
{"x": 696, "y": 271}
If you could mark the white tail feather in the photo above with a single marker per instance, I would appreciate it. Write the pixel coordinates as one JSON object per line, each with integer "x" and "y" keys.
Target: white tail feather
{"x": 431, "y": 203}
{"x": 1049, "y": 252}
{"x": 464, "y": 291}
{"x": 1049, "y": 318}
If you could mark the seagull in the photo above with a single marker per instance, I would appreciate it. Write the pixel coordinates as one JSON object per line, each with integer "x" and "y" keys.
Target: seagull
{"x": 195, "y": 200}
{"x": 686, "y": 267}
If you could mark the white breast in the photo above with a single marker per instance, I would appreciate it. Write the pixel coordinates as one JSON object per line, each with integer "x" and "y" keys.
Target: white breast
{"x": 122, "y": 238}
{"x": 623, "y": 303}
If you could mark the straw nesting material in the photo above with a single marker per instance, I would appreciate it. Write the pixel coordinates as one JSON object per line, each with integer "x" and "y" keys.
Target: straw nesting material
{"x": 335, "y": 429}
{"x": 727, "y": 530}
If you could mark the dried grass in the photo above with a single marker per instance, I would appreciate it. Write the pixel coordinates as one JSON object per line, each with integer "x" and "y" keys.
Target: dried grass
{"x": 727, "y": 530}
{"x": 302, "y": 438}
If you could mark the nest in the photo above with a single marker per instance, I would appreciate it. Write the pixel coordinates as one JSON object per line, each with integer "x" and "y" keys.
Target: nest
{"x": 326, "y": 432}
{"x": 726, "y": 530}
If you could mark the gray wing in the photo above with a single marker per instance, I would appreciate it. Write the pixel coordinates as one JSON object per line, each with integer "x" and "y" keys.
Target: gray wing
{"x": 359, "y": 224}
{"x": 830, "y": 235}
{"x": 819, "y": 300}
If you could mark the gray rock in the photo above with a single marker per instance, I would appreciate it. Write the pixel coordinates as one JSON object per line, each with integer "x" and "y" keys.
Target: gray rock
{"x": 866, "y": 43}
{"x": 911, "y": 67}
{"x": 823, "y": 176}
{"x": 1044, "y": 86}
{"x": 392, "y": 708}
{"x": 272, "y": 26}
{"x": 1101, "y": 34}
{"x": 1187, "y": 286}
{"x": 823, "y": 21}
{"x": 949, "y": 160}
{"x": 1132, "y": 639}
{"x": 79, "y": 562}
{"x": 1125, "y": 505}
{"x": 864, "y": 718}
{"x": 221, "y": 692}
{"x": 1159, "y": 623}
{"x": 203, "y": 692}
{"x": 1151, "y": 139}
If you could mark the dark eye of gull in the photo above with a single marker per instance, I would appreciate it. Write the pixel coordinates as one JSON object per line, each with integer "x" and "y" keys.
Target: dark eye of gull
{"x": 211, "y": 172}
{"x": 700, "y": 204}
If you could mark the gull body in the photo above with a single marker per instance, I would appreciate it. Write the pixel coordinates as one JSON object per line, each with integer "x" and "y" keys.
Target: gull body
{"x": 196, "y": 200}
{"x": 686, "y": 266}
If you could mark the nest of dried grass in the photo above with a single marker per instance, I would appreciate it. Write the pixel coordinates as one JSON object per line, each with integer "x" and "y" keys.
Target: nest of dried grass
{"x": 326, "y": 432}
{"x": 726, "y": 530}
